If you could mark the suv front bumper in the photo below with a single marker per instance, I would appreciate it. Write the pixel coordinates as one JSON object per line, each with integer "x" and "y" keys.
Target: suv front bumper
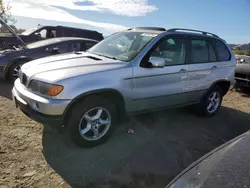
{"x": 40, "y": 109}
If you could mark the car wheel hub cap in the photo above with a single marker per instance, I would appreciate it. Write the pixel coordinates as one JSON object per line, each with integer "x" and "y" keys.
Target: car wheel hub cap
{"x": 95, "y": 123}
{"x": 213, "y": 102}
{"x": 16, "y": 71}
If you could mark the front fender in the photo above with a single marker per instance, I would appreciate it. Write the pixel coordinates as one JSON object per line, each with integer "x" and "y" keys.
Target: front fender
{"x": 96, "y": 92}
{"x": 21, "y": 58}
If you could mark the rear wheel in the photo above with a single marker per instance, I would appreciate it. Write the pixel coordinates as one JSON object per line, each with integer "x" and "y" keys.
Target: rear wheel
{"x": 14, "y": 70}
{"x": 211, "y": 103}
{"x": 91, "y": 121}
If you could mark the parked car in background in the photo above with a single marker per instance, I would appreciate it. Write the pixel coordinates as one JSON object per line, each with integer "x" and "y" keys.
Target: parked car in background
{"x": 242, "y": 72}
{"x": 225, "y": 167}
{"x": 12, "y": 59}
{"x": 134, "y": 71}
{"x": 46, "y": 32}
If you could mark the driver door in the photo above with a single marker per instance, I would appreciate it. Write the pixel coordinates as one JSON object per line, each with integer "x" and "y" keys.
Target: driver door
{"x": 162, "y": 87}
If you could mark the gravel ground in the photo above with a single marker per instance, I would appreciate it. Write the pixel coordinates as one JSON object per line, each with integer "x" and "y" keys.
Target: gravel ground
{"x": 163, "y": 144}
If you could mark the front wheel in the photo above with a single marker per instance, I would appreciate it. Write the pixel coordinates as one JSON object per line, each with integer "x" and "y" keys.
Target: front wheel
{"x": 91, "y": 121}
{"x": 211, "y": 103}
{"x": 14, "y": 70}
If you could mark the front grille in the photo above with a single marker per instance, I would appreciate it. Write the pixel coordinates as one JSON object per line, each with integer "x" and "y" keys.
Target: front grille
{"x": 23, "y": 78}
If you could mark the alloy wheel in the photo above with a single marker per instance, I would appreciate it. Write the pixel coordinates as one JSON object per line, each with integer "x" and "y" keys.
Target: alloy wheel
{"x": 94, "y": 124}
{"x": 213, "y": 102}
{"x": 16, "y": 71}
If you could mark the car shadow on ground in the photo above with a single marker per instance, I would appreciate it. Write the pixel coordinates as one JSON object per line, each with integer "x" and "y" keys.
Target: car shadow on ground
{"x": 163, "y": 144}
{"x": 5, "y": 89}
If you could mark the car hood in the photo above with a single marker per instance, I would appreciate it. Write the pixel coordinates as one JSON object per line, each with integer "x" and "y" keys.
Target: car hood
{"x": 13, "y": 32}
{"x": 60, "y": 67}
{"x": 243, "y": 68}
{"x": 226, "y": 166}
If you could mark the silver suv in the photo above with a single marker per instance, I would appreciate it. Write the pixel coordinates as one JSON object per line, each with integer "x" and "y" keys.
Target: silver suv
{"x": 133, "y": 71}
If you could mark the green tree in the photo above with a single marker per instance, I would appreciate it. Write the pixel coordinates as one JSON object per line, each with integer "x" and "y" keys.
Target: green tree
{"x": 5, "y": 14}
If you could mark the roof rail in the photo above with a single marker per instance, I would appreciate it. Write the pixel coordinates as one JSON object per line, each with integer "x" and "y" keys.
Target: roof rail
{"x": 148, "y": 28}
{"x": 192, "y": 30}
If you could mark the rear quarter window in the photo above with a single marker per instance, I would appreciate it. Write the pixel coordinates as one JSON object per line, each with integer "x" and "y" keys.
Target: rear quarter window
{"x": 223, "y": 52}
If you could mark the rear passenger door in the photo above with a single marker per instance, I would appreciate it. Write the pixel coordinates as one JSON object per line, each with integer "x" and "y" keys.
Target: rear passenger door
{"x": 202, "y": 64}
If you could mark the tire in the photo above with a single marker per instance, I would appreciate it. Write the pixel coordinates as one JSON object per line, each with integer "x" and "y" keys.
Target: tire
{"x": 13, "y": 70}
{"x": 206, "y": 107}
{"x": 78, "y": 121}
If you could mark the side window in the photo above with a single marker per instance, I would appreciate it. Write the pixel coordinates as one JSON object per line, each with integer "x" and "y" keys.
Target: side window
{"x": 62, "y": 47}
{"x": 51, "y": 33}
{"x": 43, "y": 33}
{"x": 89, "y": 44}
{"x": 223, "y": 52}
{"x": 199, "y": 51}
{"x": 74, "y": 46}
{"x": 172, "y": 50}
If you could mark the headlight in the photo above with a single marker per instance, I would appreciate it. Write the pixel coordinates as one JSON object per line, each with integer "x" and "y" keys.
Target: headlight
{"x": 45, "y": 88}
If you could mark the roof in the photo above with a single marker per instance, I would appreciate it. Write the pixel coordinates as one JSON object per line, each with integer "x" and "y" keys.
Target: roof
{"x": 147, "y": 29}
{"x": 67, "y": 27}
{"x": 159, "y": 30}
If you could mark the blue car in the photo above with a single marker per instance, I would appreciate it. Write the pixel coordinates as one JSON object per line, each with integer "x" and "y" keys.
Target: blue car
{"x": 12, "y": 59}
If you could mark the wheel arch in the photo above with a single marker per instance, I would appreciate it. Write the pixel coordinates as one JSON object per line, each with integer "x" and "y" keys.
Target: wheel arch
{"x": 21, "y": 58}
{"x": 111, "y": 94}
{"x": 223, "y": 84}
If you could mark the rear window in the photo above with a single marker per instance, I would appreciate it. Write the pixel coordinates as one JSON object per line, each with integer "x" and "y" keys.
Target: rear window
{"x": 223, "y": 52}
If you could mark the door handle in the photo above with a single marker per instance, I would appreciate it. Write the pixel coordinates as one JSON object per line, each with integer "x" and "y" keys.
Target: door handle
{"x": 183, "y": 71}
{"x": 214, "y": 67}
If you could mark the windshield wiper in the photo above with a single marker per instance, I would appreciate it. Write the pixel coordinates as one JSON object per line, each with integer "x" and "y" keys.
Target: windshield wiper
{"x": 105, "y": 56}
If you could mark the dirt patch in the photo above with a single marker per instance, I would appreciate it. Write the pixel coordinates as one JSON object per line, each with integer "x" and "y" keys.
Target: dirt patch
{"x": 163, "y": 143}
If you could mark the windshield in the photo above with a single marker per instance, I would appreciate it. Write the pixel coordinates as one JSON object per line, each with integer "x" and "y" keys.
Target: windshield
{"x": 43, "y": 43}
{"x": 29, "y": 31}
{"x": 123, "y": 46}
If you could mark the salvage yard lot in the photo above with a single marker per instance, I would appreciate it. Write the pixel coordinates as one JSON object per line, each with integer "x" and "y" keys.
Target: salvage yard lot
{"x": 163, "y": 144}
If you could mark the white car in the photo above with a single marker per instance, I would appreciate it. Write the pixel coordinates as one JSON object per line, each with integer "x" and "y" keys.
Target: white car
{"x": 88, "y": 92}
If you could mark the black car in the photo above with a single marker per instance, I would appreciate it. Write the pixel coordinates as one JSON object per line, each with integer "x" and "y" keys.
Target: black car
{"x": 225, "y": 167}
{"x": 12, "y": 59}
{"x": 46, "y": 32}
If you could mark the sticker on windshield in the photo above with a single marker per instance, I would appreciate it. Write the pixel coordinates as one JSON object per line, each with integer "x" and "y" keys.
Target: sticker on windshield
{"x": 149, "y": 34}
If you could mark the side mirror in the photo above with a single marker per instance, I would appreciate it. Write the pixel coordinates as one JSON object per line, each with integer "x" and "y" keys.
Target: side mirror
{"x": 157, "y": 62}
